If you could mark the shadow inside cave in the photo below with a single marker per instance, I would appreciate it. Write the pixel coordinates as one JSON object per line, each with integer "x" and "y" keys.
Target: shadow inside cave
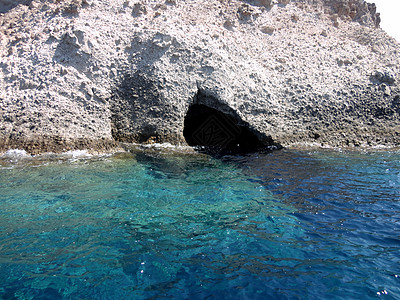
{"x": 221, "y": 132}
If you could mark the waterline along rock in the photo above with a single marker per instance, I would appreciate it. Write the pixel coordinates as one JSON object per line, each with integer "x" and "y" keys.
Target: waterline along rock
{"x": 88, "y": 74}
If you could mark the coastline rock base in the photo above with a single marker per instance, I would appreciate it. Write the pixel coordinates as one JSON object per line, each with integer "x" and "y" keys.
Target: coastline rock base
{"x": 40, "y": 144}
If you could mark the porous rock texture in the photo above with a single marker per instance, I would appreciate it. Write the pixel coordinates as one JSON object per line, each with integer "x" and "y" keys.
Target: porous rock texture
{"x": 92, "y": 73}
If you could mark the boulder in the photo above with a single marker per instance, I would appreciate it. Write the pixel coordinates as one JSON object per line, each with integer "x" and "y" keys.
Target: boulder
{"x": 92, "y": 74}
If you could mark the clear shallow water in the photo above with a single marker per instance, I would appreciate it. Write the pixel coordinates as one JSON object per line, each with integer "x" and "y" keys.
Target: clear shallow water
{"x": 285, "y": 225}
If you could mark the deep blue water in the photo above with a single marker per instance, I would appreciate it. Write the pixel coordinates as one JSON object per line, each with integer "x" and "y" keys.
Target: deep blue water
{"x": 157, "y": 225}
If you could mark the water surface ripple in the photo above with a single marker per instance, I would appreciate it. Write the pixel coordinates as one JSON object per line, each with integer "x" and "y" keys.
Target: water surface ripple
{"x": 284, "y": 225}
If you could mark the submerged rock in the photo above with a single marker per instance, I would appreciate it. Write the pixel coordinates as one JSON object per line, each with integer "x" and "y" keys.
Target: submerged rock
{"x": 89, "y": 73}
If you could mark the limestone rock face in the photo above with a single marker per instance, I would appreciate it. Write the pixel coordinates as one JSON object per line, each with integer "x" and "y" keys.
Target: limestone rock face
{"x": 91, "y": 73}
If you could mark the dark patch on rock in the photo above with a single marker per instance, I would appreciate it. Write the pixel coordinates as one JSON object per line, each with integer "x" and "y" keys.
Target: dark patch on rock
{"x": 385, "y": 76}
{"x": 136, "y": 98}
{"x": 6, "y": 5}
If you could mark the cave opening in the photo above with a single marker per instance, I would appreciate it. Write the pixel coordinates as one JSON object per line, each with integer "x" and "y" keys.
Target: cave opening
{"x": 215, "y": 132}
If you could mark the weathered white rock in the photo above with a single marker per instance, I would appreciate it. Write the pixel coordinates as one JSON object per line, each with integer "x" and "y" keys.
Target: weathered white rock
{"x": 85, "y": 74}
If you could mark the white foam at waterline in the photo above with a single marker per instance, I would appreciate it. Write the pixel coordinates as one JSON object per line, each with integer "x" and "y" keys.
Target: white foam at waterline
{"x": 164, "y": 146}
{"x": 77, "y": 154}
{"x": 15, "y": 153}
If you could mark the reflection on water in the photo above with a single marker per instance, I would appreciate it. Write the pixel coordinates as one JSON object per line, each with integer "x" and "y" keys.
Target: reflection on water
{"x": 288, "y": 224}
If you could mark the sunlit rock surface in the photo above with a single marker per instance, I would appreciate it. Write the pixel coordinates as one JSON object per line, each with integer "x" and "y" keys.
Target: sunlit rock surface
{"x": 88, "y": 74}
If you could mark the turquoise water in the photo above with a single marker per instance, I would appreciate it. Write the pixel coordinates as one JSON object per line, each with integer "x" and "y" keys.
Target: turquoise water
{"x": 158, "y": 225}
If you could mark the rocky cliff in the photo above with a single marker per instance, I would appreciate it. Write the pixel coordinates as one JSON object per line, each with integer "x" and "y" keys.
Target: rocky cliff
{"x": 92, "y": 73}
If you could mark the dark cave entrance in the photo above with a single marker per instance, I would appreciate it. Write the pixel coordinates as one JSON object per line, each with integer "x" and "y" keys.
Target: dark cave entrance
{"x": 220, "y": 133}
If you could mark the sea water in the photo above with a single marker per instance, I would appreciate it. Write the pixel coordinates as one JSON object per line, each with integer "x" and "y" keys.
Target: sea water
{"x": 147, "y": 224}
